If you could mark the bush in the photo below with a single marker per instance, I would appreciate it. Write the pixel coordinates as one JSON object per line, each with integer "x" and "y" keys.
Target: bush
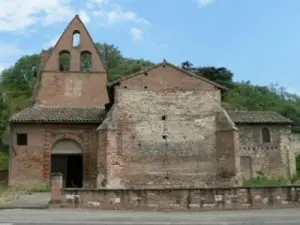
{"x": 3, "y": 161}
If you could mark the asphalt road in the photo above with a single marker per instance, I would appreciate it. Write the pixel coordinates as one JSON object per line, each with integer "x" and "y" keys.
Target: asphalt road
{"x": 84, "y": 217}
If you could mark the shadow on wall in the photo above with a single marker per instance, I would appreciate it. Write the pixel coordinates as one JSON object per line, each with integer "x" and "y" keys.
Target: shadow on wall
{"x": 3, "y": 176}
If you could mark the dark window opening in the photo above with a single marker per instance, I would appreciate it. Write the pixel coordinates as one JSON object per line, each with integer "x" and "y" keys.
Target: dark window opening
{"x": 266, "y": 135}
{"x": 146, "y": 73}
{"x": 164, "y": 136}
{"x": 145, "y": 87}
{"x": 64, "y": 61}
{"x": 163, "y": 117}
{"x": 85, "y": 61}
{"x": 125, "y": 86}
{"x": 22, "y": 139}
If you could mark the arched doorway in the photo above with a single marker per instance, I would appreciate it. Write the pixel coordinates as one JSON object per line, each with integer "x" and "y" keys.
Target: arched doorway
{"x": 66, "y": 158}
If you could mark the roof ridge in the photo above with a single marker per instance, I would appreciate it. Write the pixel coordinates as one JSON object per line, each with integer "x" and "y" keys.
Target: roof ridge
{"x": 165, "y": 62}
{"x": 251, "y": 111}
{"x": 258, "y": 117}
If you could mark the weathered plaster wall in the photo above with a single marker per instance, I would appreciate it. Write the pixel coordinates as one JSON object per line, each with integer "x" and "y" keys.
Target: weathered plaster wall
{"x": 271, "y": 159}
{"x": 31, "y": 165}
{"x": 163, "y": 139}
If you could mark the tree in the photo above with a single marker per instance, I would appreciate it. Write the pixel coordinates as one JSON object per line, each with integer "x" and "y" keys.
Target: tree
{"x": 187, "y": 65}
{"x": 221, "y": 75}
{"x": 22, "y": 75}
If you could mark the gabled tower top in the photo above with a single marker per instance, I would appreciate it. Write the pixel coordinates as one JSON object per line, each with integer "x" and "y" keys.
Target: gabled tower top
{"x": 75, "y": 41}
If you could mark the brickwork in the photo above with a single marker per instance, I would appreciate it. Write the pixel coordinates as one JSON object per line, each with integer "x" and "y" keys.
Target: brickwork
{"x": 274, "y": 159}
{"x": 31, "y": 164}
{"x": 182, "y": 199}
{"x": 166, "y": 78}
{"x": 73, "y": 88}
{"x": 166, "y": 139}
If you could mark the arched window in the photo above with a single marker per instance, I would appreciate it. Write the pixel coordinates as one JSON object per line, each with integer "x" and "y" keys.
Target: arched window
{"x": 76, "y": 38}
{"x": 64, "y": 61}
{"x": 85, "y": 61}
{"x": 266, "y": 135}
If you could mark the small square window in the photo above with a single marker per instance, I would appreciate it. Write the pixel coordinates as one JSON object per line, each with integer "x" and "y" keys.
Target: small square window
{"x": 21, "y": 139}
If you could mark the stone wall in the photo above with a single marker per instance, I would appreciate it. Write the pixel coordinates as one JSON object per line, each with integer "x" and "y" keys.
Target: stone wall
{"x": 178, "y": 199}
{"x": 295, "y": 143}
{"x": 164, "y": 139}
{"x": 272, "y": 159}
{"x": 31, "y": 165}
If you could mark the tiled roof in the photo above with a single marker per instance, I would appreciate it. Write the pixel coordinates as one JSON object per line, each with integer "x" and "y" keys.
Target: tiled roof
{"x": 258, "y": 117}
{"x": 59, "y": 115}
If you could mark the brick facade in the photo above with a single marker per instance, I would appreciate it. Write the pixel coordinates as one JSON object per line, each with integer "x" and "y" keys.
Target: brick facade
{"x": 31, "y": 165}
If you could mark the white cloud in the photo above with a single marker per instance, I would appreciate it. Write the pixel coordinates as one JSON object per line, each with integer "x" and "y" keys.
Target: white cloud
{"x": 136, "y": 33}
{"x": 116, "y": 14}
{"x": 84, "y": 16}
{"x": 204, "y": 3}
{"x": 20, "y": 15}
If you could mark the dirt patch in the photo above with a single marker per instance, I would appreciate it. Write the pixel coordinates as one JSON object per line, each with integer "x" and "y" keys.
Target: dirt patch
{"x": 8, "y": 194}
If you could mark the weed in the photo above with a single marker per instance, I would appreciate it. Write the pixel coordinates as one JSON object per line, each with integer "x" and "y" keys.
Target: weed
{"x": 262, "y": 181}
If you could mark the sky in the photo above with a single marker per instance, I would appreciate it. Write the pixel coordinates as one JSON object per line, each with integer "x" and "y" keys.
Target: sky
{"x": 258, "y": 40}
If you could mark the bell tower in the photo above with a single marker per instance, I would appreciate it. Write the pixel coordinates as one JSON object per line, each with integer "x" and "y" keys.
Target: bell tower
{"x": 73, "y": 74}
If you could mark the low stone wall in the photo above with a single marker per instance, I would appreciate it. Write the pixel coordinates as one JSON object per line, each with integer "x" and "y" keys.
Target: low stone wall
{"x": 197, "y": 199}
{"x": 181, "y": 199}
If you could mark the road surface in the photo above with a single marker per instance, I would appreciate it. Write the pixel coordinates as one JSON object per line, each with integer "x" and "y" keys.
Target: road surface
{"x": 84, "y": 217}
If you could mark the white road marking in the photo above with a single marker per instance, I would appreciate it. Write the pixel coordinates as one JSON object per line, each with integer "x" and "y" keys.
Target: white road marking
{"x": 127, "y": 223}
{"x": 145, "y": 223}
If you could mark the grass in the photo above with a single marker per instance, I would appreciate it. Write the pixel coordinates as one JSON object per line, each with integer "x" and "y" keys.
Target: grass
{"x": 38, "y": 189}
{"x": 261, "y": 181}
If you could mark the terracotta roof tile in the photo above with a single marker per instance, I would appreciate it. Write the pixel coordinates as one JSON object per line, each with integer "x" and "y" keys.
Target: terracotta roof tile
{"x": 258, "y": 117}
{"x": 59, "y": 115}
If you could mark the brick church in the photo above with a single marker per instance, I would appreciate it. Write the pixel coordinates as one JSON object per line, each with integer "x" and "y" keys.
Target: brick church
{"x": 163, "y": 127}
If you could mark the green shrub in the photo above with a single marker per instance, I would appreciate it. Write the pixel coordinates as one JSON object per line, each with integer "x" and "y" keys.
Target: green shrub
{"x": 261, "y": 181}
{"x": 3, "y": 161}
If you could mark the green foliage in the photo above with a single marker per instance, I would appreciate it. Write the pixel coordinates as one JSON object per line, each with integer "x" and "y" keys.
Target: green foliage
{"x": 298, "y": 164}
{"x": 38, "y": 189}
{"x": 3, "y": 161}
{"x": 261, "y": 181}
